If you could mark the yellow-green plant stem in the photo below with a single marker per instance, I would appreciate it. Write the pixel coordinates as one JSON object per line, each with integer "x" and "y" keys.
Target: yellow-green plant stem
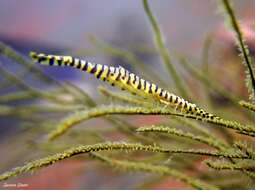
{"x": 149, "y": 182}
{"x": 243, "y": 147}
{"x": 10, "y": 53}
{"x": 211, "y": 85}
{"x": 247, "y": 105}
{"x": 205, "y": 65}
{"x": 124, "y": 97}
{"x": 195, "y": 126}
{"x": 13, "y": 55}
{"x": 150, "y": 168}
{"x": 163, "y": 51}
{"x": 250, "y": 75}
{"x": 129, "y": 57}
{"x": 80, "y": 94}
{"x": 164, "y": 129}
{"x": 107, "y": 146}
{"x": 206, "y": 80}
{"x": 21, "y": 84}
{"x": 81, "y": 116}
{"x": 23, "y": 95}
{"x": 230, "y": 166}
{"x": 30, "y": 166}
{"x": 37, "y": 109}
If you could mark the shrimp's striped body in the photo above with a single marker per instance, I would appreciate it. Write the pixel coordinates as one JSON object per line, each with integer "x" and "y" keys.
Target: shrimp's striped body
{"x": 125, "y": 80}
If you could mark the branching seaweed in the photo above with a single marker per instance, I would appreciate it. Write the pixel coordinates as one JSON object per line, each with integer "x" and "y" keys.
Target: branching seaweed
{"x": 159, "y": 41}
{"x": 81, "y": 116}
{"x": 165, "y": 134}
{"x": 108, "y": 146}
{"x": 230, "y": 166}
{"x": 75, "y": 151}
{"x": 247, "y": 105}
{"x": 162, "y": 170}
{"x": 180, "y": 133}
{"x": 250, "y": 73}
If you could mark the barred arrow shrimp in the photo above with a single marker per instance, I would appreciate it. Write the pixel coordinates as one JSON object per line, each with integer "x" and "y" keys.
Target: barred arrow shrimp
{"x": 124, "y": 79}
